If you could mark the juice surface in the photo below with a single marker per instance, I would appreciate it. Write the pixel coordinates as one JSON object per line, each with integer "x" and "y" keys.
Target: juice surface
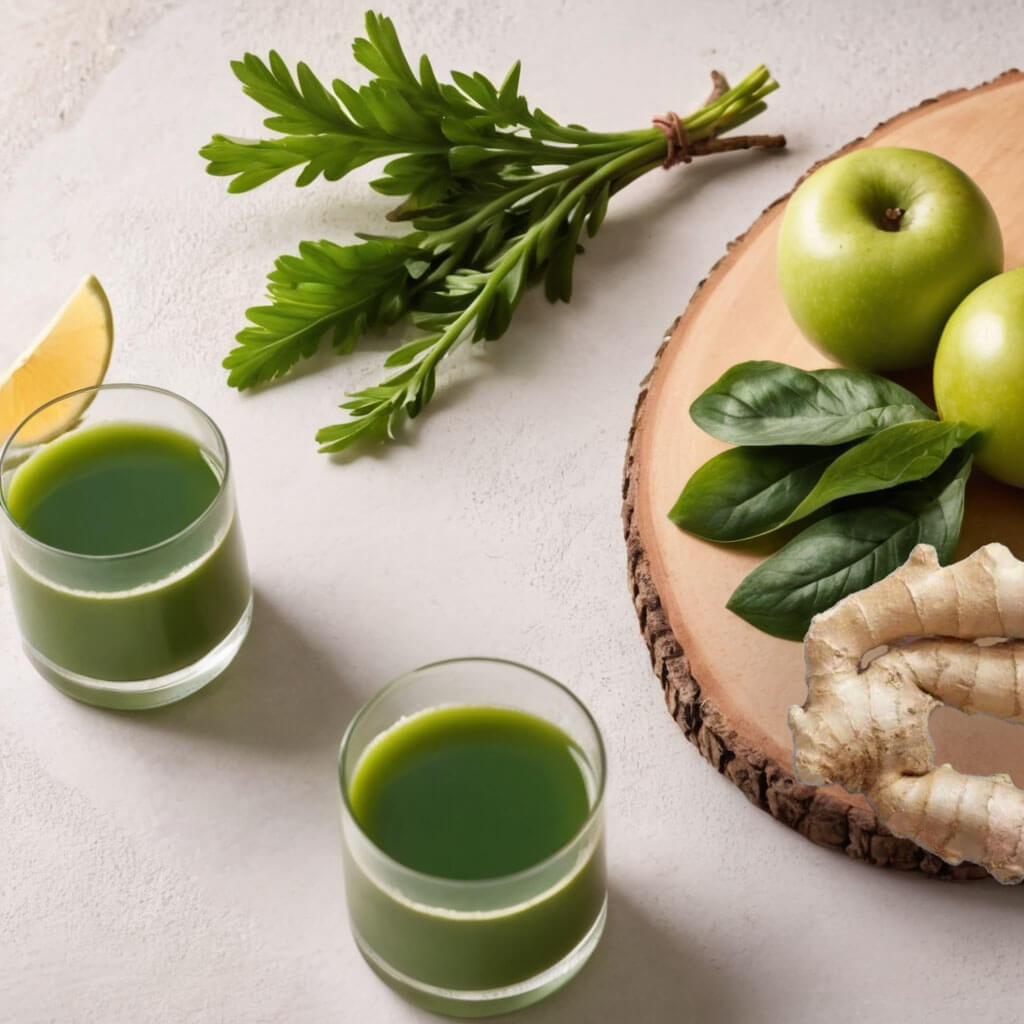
{"x": 470, "y": 792}
{"x": 111, "y": 489}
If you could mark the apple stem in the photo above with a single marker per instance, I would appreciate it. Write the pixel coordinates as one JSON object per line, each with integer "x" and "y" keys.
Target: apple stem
{"x": 892, "y": 217}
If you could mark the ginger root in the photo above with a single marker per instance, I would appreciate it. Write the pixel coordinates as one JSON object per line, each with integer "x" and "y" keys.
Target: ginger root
{"x": 880, "y": 661}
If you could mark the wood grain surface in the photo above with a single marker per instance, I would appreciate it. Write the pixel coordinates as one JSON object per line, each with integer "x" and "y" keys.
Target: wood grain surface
{"x": 727, "y": 684}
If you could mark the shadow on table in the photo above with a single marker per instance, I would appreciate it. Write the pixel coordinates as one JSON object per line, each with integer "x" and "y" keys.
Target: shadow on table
{"x": 616, "y": 254}
{"x": 280, "y": 693}
{"x": 473, "y": 367}
{"x": 617, "y": 251}
{"x": 951, "y": 896}
{"x": 639, "y": 974}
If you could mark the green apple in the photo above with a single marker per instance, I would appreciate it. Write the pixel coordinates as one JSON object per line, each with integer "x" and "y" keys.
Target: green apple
{"x": 877, "y": 249}
{"x": 979, "y": 372}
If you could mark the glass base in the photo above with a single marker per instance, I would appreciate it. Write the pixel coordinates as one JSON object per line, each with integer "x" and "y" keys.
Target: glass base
{"x": 489, "y": 1002}
{"x": 145, "y": 693}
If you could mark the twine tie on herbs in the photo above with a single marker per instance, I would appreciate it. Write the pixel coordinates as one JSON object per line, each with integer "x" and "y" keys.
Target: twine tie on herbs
{"x": 679, "y": 149}
{"x": 678, "y": 143}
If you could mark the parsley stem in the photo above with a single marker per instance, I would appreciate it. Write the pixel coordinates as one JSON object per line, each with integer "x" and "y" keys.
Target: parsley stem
{"x": 518, "y": 251}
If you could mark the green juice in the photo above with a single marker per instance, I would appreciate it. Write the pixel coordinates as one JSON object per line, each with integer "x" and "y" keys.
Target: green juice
{"x": 112, "y": 489}
{"x": 471, "y": 794}
{"x": 164, "y": 576}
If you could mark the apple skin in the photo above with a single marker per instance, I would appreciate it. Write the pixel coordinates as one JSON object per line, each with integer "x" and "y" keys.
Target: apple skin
{"x": 877, "y": 299}
{"x": 979, "y": 373}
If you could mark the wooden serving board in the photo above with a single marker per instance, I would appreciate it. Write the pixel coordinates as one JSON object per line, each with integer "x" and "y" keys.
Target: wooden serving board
{"x": 727, "y": 684}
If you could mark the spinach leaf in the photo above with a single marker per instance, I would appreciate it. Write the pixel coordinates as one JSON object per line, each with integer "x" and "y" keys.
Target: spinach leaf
{"x": 748, "y": 491}
{"x": 761, "y": 402}
{"x": 893, "y": 456}
{"x": 853, "y": 548}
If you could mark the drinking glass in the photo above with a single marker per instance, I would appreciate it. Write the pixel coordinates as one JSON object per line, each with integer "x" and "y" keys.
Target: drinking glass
{"x": 483, "y": 946}
{"x": 144, "y": 627}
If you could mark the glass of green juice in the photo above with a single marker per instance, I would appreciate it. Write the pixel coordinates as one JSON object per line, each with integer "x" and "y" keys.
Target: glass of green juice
{"x": 473, "y": 838}
{"x": 125, "y": 561}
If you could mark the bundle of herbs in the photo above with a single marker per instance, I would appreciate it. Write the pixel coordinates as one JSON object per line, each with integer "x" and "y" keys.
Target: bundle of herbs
{"x": 498, "y": 196}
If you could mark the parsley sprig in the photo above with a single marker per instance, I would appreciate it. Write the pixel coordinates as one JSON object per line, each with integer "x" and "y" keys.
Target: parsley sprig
{"x": 498, "y": 195}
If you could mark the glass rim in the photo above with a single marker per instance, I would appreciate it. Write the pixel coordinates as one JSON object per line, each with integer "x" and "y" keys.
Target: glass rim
{"x": 480, "y": 884}
{"x": 222, "y": 483}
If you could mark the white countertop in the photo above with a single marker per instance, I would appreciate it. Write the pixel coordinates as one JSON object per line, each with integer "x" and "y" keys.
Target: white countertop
{"x": 183, "y": 865}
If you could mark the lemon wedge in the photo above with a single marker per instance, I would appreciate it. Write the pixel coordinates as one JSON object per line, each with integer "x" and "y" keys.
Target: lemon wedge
{"x": 72, "y": 353}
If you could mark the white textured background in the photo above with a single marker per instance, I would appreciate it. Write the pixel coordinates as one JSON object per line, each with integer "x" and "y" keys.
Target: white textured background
{"x": 183, "y": 865}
